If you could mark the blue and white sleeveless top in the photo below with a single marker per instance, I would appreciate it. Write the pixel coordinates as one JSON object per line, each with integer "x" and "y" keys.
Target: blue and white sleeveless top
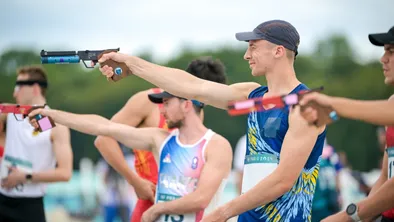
{"x": 265, "y": 134}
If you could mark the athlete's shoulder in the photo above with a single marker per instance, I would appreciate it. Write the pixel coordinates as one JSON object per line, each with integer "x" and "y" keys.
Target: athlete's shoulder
{"x": 245, "y": 87}
{"x": 220, "y": 141}
{"x": 141, "y": 99}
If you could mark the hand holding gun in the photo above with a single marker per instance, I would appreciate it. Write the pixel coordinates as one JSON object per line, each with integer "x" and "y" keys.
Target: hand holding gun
{"x": 66, "y": 57}
{"x": 326, "y": 114}
{"x": 44, "y": 123}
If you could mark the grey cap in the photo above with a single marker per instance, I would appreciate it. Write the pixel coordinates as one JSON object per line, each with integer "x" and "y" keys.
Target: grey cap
{"x": 380, "y": 39}
{"x": 275, "y": 31}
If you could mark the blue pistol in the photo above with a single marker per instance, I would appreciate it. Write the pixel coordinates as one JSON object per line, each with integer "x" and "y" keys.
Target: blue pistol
{"x": 67, "y": 57}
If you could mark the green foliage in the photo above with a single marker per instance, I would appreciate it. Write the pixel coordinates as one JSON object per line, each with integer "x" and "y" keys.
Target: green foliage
{"x": 77, "y": 89}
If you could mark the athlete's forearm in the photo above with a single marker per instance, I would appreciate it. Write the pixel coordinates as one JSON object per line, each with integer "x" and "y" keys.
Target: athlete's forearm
{"x": 377, "y": 185}
{"x": 191, "y": 203}
{"x": 269, "y": 189}
{"x": 110, "y": 150}
{"x": 376, "y": 112}
{"x": 55, "y": 175}
{"x": 174, "y": 81}
{"x": 84, "y": 123}
{"x": 380, "y": 201}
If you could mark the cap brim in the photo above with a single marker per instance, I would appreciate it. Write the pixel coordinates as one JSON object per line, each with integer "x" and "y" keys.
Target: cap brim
{"x": 158, "y": 97}
{"x": 247, "y": 36}
{"x": 380, "y": 39}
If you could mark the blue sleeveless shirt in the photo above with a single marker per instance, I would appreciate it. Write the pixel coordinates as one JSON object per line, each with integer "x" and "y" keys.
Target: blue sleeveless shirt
{"x": 265, "y": 134}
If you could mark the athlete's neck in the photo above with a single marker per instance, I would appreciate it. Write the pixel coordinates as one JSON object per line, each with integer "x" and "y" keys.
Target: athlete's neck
{"x": 281, "y": 80}
{"x": 192, "y": 130}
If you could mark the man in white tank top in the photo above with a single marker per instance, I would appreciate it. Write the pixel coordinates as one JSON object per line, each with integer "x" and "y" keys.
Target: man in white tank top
{"x": 30, "y": 157}
{"x": 194, "y": 162}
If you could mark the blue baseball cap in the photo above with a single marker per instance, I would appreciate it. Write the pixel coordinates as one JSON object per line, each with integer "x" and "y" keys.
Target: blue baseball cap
{"x": 278, "y": 32}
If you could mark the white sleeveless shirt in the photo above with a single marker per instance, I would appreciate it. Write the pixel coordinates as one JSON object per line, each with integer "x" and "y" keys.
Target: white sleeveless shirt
{"x": 29, "y": 152}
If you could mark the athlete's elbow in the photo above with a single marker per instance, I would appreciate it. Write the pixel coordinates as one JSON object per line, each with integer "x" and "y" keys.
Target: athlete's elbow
{"x": 65, "y": 175}
{"x": 285, "y": 185}
{"x": 202, "y": 203}
{"x": 99, "y": 141}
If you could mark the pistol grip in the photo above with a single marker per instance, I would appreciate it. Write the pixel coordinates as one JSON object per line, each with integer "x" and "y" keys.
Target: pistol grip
{"x": 120, "y": 69}
{"x": 323, "y": 113}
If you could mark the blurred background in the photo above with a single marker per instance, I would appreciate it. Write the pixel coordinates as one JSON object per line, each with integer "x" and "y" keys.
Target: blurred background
{"x": 334, "y": 52}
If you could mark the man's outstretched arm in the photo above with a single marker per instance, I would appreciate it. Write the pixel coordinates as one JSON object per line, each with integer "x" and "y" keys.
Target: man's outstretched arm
{"x": 379, "y": 112}
{"x": 181, "y": 83}
{"x": 135, "y": 111}
{"x": 143, "y": 139}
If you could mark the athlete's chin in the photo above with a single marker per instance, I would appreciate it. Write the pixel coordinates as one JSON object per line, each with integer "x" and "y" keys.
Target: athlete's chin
{"x": 389, "y": 81}
{"x": 257, "y": 73}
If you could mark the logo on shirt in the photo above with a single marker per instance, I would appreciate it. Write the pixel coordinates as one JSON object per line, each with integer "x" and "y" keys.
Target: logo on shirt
{"x": 194, "y": 163}
{"x": 167, "y": 159}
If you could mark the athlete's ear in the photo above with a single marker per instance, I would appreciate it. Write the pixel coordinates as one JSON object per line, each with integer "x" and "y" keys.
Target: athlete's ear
{"x": 279, "y": 51}
{"x": 188, "y": 105}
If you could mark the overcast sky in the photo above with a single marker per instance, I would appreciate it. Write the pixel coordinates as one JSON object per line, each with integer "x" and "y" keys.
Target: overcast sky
{"x": 164, "y": 26}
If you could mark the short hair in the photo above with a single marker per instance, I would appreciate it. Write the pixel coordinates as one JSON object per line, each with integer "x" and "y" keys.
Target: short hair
{"x": 208, "y": 69}
{"x": 35, "y": 73}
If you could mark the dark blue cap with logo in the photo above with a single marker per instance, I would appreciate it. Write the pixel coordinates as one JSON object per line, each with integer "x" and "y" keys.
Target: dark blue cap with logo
{"x": 278, "y": 32}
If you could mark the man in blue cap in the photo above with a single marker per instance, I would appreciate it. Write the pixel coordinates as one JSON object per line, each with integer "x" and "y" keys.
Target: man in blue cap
{"x": 281, "y": 162}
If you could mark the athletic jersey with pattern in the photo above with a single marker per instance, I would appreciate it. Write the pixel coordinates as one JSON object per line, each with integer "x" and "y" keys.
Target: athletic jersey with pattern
{"x": 145, "y": 163}
{"x": 265, "y": 134}
{"x": 28, "y": 151}
{"x": 179, "y": 173}
{"x": 390, "y": 162}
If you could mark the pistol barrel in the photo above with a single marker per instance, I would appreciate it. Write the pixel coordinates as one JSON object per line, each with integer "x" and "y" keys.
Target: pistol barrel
{"x": 60, "y": 59}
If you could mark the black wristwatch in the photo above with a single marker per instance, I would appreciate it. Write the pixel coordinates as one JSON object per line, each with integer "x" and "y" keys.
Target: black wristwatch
{"x": 351, "y": 210}
{"x": 28, "y": 177}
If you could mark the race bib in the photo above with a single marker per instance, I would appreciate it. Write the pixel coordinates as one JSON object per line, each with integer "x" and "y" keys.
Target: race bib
{"x": 10, "y": 162}
{"x": 390, "y": 168}
{"x": 256, "y": 168}
{"x": 174, "y": 217}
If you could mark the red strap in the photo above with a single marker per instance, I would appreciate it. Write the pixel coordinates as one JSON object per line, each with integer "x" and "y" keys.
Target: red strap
{"x": 162, "y": 120}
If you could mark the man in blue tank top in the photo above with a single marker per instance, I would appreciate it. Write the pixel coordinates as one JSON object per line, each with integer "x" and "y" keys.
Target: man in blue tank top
{"x": 283, "y": 150}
